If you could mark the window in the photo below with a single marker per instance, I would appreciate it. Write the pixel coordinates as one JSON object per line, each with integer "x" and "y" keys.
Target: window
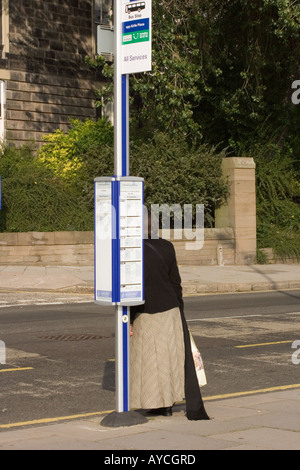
{"x": 103, "y": 12}
{"x": 104, "y": 37}
{"x": 2, "y": 109}
{"x": 103, "y": 27}
{"x": 1, "y": 38}
{"x": 4, "y": 27}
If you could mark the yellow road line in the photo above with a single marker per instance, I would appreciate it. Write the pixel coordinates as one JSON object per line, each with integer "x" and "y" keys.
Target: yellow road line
{"x": 252, "y": 392}
{"x": 262, "y": 344}
{"x": 52, "y": 420}
{"x": 16, "y": 369}
{"x": 99, "y": 413}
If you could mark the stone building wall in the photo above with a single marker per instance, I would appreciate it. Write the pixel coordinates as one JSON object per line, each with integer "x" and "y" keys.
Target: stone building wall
{"x": 47, "y": 80}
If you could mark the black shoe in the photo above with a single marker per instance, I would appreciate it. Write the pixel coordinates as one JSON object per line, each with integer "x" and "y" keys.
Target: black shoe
{"x": 166, "y": 411}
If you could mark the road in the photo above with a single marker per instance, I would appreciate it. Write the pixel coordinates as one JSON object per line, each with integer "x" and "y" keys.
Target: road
{"x": 60, "y": 356}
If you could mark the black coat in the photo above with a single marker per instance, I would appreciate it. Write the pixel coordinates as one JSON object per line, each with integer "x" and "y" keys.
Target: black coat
{"x": 163, "y": 292}
{"x": 162, "y": 279}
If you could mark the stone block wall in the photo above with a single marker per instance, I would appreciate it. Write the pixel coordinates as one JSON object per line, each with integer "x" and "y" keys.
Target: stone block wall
{"x": 38, "y": 104}
{"x": 239, "y": 212}
{"x": 233, "y": 241}
{"x": 77, "y": 248}
{"x": 47, "y": 248}
{"x": 218, "y": 248}
{"x": 44, "y": 68}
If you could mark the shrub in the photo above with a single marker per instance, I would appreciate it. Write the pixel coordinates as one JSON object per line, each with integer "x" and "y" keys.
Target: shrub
{"x": 34, "y": 198}
{"x": 72, "y": 155}
{"x": 79, "y": 156}
{"x": 54, "y": 190}
{"x": 176, "y": 173}
{"x": 278, "y": 193}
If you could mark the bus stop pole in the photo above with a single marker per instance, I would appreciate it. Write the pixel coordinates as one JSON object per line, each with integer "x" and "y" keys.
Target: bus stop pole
{"x": 123, "y": 416}
{"x": 121, "y": 168}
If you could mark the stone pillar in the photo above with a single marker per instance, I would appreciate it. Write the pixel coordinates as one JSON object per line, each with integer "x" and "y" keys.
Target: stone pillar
{"x": 240, "y": 211}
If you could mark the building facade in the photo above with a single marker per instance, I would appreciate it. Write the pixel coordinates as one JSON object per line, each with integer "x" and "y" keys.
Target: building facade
{"x": 44, "y": 80}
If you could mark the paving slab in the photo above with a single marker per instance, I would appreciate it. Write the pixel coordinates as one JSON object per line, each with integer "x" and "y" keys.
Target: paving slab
{"x": 195, "y": 279}
{"x": 265, "y": 438}
{"x": 263, "y": 422}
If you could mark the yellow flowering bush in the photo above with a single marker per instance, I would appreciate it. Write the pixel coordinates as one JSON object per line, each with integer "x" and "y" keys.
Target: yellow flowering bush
{"x": 66, "y": 154}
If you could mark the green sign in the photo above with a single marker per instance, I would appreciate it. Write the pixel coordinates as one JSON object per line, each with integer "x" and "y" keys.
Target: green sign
{"x": 138, "y": 36}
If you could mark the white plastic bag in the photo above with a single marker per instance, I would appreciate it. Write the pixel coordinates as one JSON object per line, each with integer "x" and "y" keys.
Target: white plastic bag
{"x": 199, "y": 366}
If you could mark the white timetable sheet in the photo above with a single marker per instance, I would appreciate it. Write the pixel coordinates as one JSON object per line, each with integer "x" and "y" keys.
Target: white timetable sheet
{"x": 119, "y": 229}
{"x": 131, "y": 240}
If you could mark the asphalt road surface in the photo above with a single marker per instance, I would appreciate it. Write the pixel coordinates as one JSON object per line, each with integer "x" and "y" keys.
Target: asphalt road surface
{"x": 60, "y": 356}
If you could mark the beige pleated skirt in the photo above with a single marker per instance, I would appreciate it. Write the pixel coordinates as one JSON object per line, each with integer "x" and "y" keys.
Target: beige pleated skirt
{"x": 157, "y": 360}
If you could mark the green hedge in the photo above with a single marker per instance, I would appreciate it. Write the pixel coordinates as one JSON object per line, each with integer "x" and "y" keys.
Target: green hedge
{"x": 35, "y": 199}
{"x": 52, "y": 189}
{"x": 278, "y": 197}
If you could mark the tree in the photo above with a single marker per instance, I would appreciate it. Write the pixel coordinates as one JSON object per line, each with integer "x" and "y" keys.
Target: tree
{"x": 165, "y": 98}
{"x": 222, "y": 75}
{"x": 222, "y": 72}
{"x": 254, "y": 49}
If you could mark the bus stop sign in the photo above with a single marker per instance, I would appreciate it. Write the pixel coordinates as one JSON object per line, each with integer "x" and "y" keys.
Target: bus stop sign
{"x": 136, "y": 36}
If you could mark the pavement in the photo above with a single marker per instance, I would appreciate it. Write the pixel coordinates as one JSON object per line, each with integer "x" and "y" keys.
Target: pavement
{"x": 195, "y": 279}
{"x": 266, "y": 419}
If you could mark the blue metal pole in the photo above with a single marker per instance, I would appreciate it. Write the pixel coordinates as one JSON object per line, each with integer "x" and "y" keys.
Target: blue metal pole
{"x": 121, "y": 116}
{"x": 125, "y": 125}
{"x": 125, "y": 310}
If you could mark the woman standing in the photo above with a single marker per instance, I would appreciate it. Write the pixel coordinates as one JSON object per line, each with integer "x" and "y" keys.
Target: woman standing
{"x": 161, "y": 362}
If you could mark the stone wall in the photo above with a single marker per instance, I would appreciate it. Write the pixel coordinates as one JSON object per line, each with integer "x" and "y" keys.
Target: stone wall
{"x": 44, "y": 67}
{"x": 47, "y": 248}
{"x": 39, "y": 104}
{"x": 77, "y": 248}
{"x": 239, "y": 212}
{"x": 233, "y": 241}
{"x": 218, "y": 248}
